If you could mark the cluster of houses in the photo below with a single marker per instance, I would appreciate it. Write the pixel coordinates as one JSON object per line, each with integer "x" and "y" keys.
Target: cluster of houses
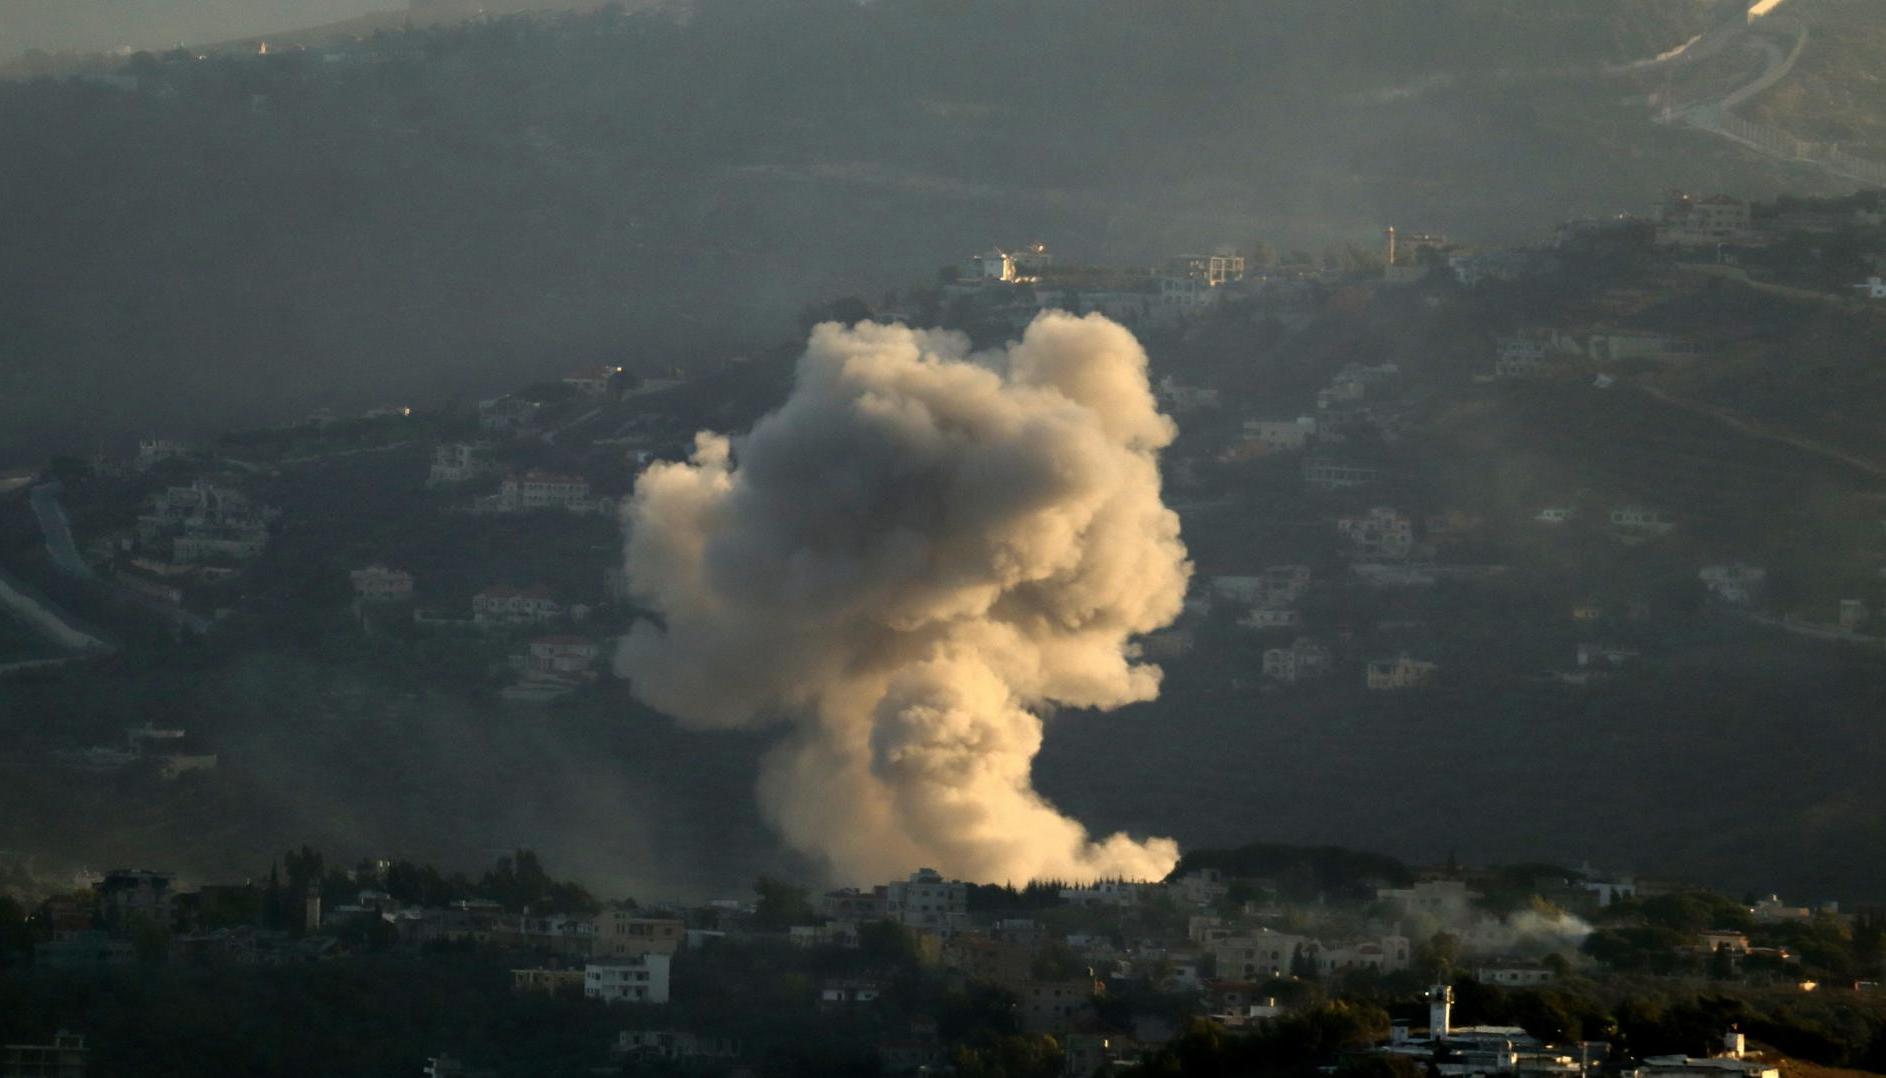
{"x": 169, "y": 751}
{"x": 537, "y": 490}
{"x": 1531, "y": 352}
{"x": 552, "y": 667}
{"x": 1058, "y": 970}
{"x": 1017, "y": 285}
{"x": 205, "y": 524}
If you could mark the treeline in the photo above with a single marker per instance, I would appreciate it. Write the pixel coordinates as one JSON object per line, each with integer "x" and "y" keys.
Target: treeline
{"x": 516, "y": 881}
{"x": 1303, "y": 872}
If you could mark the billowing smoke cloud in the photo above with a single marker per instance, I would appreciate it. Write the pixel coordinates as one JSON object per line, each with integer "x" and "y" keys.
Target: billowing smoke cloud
{"x": 909, "y": 560}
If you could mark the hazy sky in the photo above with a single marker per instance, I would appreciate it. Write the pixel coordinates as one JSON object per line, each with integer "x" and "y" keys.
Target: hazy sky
{"x": 106, "y": 24}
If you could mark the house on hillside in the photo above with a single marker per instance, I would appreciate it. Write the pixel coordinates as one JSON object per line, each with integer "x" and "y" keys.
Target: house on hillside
{"x": 566, "y": 658}
{"x": 514, "y": 414}
{"x": 1518, "y": 357}
{"x": 1325, "y": 474}
{"x": 593, "y": 381}
{"x": 1280, "y": 435}
{"x": 515, "y": 606}
{"x": 155, "y": 451}
{"x": 1058, "y": 1007}
{"x": 379, "y": 584}
{"x": 1271, "y": 617}
{"x": 1702, "y": 222}
{"x": 994, "y": 264}
{"x": 926, "y": 900}
{"x": 1637, "y": 521}
{"x": 1301, "y": 661}
{"x": 458, "y": 462}
{"x": 1381, "y": 534}
{"x": 538, "y": 490}
{"x": 206, "y": 522}
{"x": 1390, "y": 675}
{"x": 642, "y": 979}
{"x": 1735, "y": 583}
{"x": 1214, "y": 270}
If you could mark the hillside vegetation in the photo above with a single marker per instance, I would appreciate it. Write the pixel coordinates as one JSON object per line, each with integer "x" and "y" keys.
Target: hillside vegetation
{"x": 445, "y": 211}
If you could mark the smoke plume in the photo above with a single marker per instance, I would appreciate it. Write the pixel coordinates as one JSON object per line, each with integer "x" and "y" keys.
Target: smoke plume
{"x": 909, "y": 560}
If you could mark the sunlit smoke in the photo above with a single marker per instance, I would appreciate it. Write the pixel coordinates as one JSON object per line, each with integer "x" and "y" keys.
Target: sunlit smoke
{"x": 914, "y": 555}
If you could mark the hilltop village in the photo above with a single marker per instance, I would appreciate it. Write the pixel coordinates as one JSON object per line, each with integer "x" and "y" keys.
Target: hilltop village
{"x": 1271, "y": 959}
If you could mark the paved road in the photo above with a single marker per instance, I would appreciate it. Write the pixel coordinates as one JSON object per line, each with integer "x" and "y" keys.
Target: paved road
{"x": 1753, "y": 430}
{"x": 45, "y": 619}
{"x": 57, "y": 528}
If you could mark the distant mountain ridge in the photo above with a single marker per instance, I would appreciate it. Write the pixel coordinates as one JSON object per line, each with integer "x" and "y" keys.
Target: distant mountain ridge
{"x": 441, "y": 211}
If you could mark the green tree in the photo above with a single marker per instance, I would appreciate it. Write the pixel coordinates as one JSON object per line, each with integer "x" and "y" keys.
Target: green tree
{"x": 780, "y": 905}
{"x": 1011, "y": 1056}
{"x": 16, "y": 932}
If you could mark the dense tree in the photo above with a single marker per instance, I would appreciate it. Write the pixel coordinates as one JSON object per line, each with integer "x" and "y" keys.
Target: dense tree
{"x": 781, "y": 905}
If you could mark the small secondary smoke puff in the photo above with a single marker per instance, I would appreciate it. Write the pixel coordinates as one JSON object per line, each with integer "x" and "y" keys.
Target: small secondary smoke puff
{"x": 916, "y": 553}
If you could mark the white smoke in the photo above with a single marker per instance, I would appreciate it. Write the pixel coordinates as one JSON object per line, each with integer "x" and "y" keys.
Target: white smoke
{"x": 908, "y": 560}
{"x": 1528, "y": 932}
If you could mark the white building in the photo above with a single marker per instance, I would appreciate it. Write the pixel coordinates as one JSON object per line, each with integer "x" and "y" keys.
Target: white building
{"x": 232, "y": 545}
{"x": 1184, "y": 398}
{"x": 544, "y": 490}
{"x": 642, "y": 979}
{"x": 1703, "y": 222}
{"x": 515, "y": 606}
{"x": 507, "y": 413}
{"x": 1382, "y": 534}
{"x": 1335, "y": 475}
{"x": 456, "y": 462}
{"x": 1271, "y": 617}
{"x": 1519, "y": 357}
{"x": 1352, "y": 383}
{"x": 1707, "y": 1067}
{"x": 592, "y": 381}
{"x": 1258, "y": 955}
{"x": 1242, "y": 589}
{"x": 1609, "y": 891}
{"x": 379, "y": 584}
{"x": 627, "y": 934}
{"x": 1301, "y": 661}
{"x": 1213, "y": 270}
{"x": 205, "y": 522}
{"x": 992, "y": 265}
{"x": 1387, "y": 675}
{"x": 1854, "y": 614}
{"x": 1637, "y": 519}
{"x": 1104, "y": 893}
{"x": 1183, "y": 295}
{"x": 562, "y": 657}
{"x": 154, "y": 451}
{"x": 926, "y": 900}
{"x": 1734, "y": 583}
{"x": 1390, "y": 954}
{"x": 1281, "y": 435}
{"x": 1516, "y": 976}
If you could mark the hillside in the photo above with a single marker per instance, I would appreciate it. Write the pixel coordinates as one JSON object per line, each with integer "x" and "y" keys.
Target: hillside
{"x": 437, "y": 213}
{"x": 1836, "y": 93}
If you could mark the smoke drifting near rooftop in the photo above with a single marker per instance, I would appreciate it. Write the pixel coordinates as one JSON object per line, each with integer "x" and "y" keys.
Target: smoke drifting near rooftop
{"x": 908, "y": 561}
